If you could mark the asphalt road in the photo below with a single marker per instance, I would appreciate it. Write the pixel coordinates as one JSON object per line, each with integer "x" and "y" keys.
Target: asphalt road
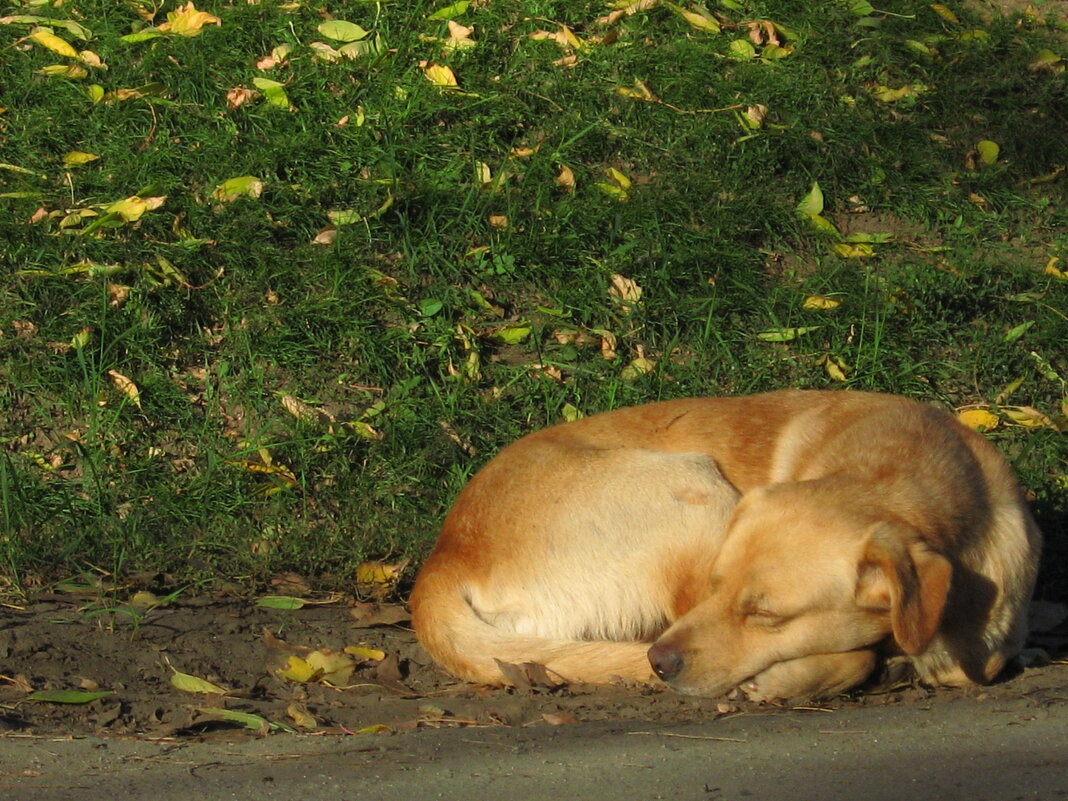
{"x": 967, "y": 750}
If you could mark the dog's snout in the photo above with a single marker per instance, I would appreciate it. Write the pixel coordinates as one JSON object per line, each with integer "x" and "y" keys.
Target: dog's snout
{"x": 666, "y": 661}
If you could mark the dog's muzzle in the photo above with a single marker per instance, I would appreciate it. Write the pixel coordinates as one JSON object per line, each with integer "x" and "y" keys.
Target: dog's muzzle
{"x": 666, "y": 662}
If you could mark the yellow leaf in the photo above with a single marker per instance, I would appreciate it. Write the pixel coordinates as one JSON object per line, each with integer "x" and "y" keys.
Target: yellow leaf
{"x": 847, "y": 251}
{"x": 988, "y": 151}
{"x": 274, "y": 91}
{"x": 131, "y": 209}
{"x": 619, "y": 177}
{"x": 785, "y": 334}
{"x": 335, "y": 668}
{"x": 812, "y": 203}
{"x": 498, "y": 221}
{"x": 820, "y": 302}
{"x": 73, "y": 71}
{"x": 979, "y": 419}
{"x": 92, "y": 59}
{"x": 571, "y": 413}
{"x": 243, "y": 186}
{"x": 566, "y": 179}
{"x": 944, "y": 12}
{"x": 379, "y": 578}
{"x": 77, "y": 157}
{"x": 1028, "y": 417}
{"x": 439, "y": 74}
{"x": 45, "y": 38}
{"x": 1046, "y": 60}
{"x": 638, "y": 367}
{"x": 362, "y": 654}
{"x": 300, "y": 716}
{"x": 324, "y": 52}
{"x": 835, "y": 368}
{"x": 298, "y": 670}
{"x": 80, "y": 340}
{"x": 459, "y": 37}
{"x": 194, "y": 684}
{"x": 1009, "y": 390}
{"x": 698, "y": 17}
{"x": 187, "y": 21}
{"x": 1051, "y": 268}
{"x": 640, "y": 91}
{"x": 374, "y": 728}
{"x": 126, "y": 387}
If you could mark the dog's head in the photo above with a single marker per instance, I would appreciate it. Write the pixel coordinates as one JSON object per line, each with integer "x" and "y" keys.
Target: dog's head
{"x": 803, "y": 572}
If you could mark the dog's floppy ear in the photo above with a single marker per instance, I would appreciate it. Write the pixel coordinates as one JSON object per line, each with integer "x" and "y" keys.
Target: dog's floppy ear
{"x": 899, "y": 572}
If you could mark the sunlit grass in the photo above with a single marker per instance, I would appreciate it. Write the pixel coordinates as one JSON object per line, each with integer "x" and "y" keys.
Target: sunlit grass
{"x": 405, "y": 235}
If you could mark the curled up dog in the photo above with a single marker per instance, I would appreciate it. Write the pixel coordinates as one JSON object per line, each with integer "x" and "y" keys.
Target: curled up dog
{"x": 785, "y": 543}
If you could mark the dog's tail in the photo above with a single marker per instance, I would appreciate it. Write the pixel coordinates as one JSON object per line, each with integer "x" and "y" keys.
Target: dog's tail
{"x": 469, "y": 647}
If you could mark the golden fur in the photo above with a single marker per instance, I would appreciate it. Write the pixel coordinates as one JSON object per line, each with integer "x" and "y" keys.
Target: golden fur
{"x": 781, "y": 542}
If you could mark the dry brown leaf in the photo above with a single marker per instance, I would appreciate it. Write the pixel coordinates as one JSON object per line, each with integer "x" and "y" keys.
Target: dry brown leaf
{"x": 566, "y": 179}
{"x": 625, "y": 291}
{"x": 126, "y": 387}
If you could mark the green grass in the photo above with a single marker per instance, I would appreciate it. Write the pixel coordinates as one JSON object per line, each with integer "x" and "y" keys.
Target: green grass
{"x": 217, "y": 310}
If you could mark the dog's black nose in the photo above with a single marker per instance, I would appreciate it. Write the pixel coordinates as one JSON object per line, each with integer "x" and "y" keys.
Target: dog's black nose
{"x": 666, "y": 661}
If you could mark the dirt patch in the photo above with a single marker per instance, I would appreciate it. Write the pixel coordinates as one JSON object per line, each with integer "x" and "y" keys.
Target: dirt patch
{"x": 56, "y": 643}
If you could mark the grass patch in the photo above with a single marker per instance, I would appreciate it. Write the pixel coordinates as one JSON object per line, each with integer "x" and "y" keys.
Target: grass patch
{"x": 299, "y": 369}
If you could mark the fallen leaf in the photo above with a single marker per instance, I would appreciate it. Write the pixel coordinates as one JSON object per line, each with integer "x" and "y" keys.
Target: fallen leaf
{"x": 625, "y": 291}
{"x": 498, "y": 221}
{"x": 452, "y": 10}
{"x": 379, "y": 578}
{"x": 188, "y": 683}
{"x": 334, "y": 667}
{"x": 47, "y": 39}
{"x": 988, "y": 151}
{"x": 126, "y": 387}
{"x": 440, "y": 75}
{"x": 76, "y": 158}
{"x": 1051, "y": 268}
{"x": 638, "y": 367}
{"x": 944, "y": 12}
{"x": 274, "y": 91}
{"x": 848, "y": 251}
{"x": 978, "y": 419}
{"x": 1046, "y": 61}
{"x": 280, "y": 602}
{"x": 785, "y": 334}
{"x": 362, "y": 654}
{"x": 73, "y": 71}
{"x": 234, "y": 188}
{"x": 187, "y": 21}
{"x": 68, "y": 696}
{"x": 132, "y": 208}
{"x": 459, "y": 37}
{"x": 566, "y": 179}
{"x": 820, "y": 302}
{"x": 301, "y": 717}
{"x": 369, "y": 614}
{"x": 248, "y": 720}
{"x": 1018, "y": 331}
{"x": 698, "y": 17}
{"x": 1028, "y": 417}
{"x": 812, "y": 203}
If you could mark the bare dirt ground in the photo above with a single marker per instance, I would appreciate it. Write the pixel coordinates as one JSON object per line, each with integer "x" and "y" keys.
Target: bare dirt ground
{"x": 402, "y": 728}
{"x": 61, "y": 642}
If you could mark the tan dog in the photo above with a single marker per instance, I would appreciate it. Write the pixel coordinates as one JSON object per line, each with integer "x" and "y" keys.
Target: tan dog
{"x": 868, "y": 526}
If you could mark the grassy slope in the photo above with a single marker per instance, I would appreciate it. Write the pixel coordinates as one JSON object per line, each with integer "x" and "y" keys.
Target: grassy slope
{"x": 398, "y": 322}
